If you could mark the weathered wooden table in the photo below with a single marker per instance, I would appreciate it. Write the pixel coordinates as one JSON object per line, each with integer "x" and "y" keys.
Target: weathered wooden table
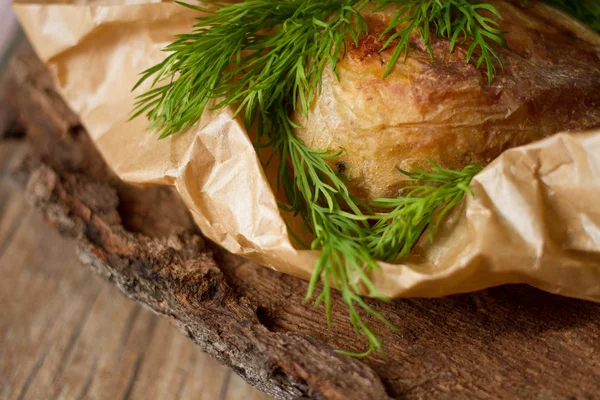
{"x": 506, "y": 342}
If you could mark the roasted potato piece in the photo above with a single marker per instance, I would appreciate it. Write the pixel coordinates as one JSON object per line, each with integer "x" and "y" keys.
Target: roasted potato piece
{"x": 444, "y": 109}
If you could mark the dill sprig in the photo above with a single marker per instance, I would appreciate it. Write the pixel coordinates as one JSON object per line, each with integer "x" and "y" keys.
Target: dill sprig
{"x": 456, "y": 20}
{"x": 246, "y": 55}
{"x": 266, "y": 58}
{"x": 429, "y": 197}
{"x": 337, "y": 222}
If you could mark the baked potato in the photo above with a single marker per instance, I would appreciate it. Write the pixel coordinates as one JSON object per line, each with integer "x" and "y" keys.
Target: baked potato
{"x": 444, "y": 109}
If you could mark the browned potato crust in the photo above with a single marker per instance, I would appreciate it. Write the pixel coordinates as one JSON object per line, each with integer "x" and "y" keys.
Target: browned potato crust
{"x": 444, "y": 109}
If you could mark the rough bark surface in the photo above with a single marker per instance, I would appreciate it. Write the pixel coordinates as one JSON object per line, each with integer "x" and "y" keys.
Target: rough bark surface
{"x": 506, "y": 342}
{"x": 55, "y": 342}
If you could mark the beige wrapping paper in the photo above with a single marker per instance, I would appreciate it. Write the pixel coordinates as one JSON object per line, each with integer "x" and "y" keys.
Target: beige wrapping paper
{"x": 535, "y": 217}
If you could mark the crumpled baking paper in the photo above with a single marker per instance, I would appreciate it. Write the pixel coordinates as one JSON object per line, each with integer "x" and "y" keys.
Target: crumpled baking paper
{"x": 535, "y": 217}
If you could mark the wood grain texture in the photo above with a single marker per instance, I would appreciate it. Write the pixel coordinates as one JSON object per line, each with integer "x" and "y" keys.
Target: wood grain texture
{"x": 65, "y": 334}
{"x": 507, "y": 342}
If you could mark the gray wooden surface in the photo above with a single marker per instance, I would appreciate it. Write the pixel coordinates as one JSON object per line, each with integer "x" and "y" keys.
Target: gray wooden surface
{"x": 67, "y": 334}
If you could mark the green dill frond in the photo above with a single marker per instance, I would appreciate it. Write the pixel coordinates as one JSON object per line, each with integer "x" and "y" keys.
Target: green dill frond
{"x": 455, "y": 20}
{"x": 429, "y": 196}
{"x": 249, "y": 55}
{"x": 336, "y": 220}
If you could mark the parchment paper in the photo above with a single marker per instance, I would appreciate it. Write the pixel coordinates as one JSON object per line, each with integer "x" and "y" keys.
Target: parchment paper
{"x": 535, "y": 217}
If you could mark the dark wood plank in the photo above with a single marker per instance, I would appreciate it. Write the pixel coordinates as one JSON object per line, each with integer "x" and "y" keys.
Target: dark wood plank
{"x": 507, "y": 342}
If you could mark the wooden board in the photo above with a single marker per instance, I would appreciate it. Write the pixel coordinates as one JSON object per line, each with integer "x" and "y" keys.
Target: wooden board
{"x": 507, "y": 342}
{"x": 65, "y": 334}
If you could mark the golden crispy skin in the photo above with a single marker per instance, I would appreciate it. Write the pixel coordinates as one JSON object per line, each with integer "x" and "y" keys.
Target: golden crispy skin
{"x": 444, "y": 109}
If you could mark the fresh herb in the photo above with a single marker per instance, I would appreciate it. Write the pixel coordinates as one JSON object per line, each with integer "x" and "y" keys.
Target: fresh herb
{"x": 427, "y": 201}
{"x": 337, "y": 222}
{"x": 246, "y": 55}
{"x": 456, "y": 20}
